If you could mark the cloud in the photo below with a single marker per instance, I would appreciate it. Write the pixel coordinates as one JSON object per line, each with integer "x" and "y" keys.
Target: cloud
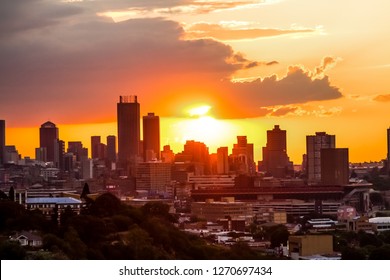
{"x": 223, "y": 33}
{"x": 72, "y": 66}
{"x": 300, "y": 110}
{"x": 22, "y": 15}
{"x": 297, "y": 86}
{"x": 123, "y": 10}
{"x": 382, "y": 98}
{"x": 327, "y": 63}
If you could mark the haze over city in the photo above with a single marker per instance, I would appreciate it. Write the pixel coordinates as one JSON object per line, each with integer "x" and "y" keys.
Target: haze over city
{"x": 307, "y": 66}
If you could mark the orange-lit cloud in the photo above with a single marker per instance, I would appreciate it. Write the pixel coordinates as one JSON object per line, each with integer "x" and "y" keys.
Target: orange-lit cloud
{"x": 72, "y": 68}
{"x": 382, "y": 98}
{"x": 157, "y": 8}
{"x": 300, "y": 110}
{"x": 223, "y": 33}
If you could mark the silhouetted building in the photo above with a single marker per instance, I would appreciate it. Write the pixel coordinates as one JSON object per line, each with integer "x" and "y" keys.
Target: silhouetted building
{"x": 59, "y": 151}
{"x": 388, "y": 150}
{"x": 76, "y": 147}
{"x": 314, "y": 145}
{"x": 11, "y": 154}
{"x": 40, "y": 154}
{"x": 275, "y": 158}
{"x": 242, "y": 156}
{"x": 86, "y": 168}
{"x": 167, "y": 154}
{"x": 95, "y": 143}
{"x": 48, "y": 135}
{"x": 154, "y": 177}
{"x": 69, "y": 162}
{"x": 197, "y": 154}
{"x": 111, "y": 148}
{"x": 223, "y": 160}
{"x": 334, "y": 166}
{"x": 151, "y": 137}
{"x": 2, "y": 141}
{"x": 128, "y": 117}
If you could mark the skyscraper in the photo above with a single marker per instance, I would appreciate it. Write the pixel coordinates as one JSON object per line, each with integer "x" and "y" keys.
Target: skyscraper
{"x": 128, "y": 118}
{"x": 388, "y": 150}
{"x": 95, "y": 146}
{"x": 111, "y": 148}
{"x": 222, "y": 160}
{"x": 48, "y": 134}
{"x": 76, "y": 147}
{"x": 2, "y": 141}
{"x": 275, "y": 158}
{"x": 334, "y": 166}
{"x": 151, "y": 137}
{"x": 242, "y": 156}
{"x": 59, "y": 151}
{"x": 314, "y": 145}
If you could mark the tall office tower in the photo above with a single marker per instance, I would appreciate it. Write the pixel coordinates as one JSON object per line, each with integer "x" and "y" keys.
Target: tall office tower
{"x": 388, "y": 150}
{"x": 334, "y": 166}
{"x": 40, "y": 154}
{"x": 223, "y": 160}
{"x": 48, "y": 135}
{"x": 242, "y": 156}
{"x": 59, "y": 151}
{"x": 95, "y": 143}
{"x": 2, "y": 141}
{"x": 151, "y": 137}
{"x": 111, "y": 148}
{"x": 275, "y": 158}
{"x": 69, "y": 162}
{"x": 314, "y": 145}
{"x": 128, "y": 118}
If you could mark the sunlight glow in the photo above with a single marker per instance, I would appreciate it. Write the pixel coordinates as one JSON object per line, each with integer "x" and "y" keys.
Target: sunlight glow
{"x": 199, "y": 111}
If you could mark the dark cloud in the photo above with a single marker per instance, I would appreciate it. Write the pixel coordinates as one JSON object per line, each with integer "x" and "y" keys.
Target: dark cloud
{"x": 22, "y": 15}
{"x": 75, "y": 70}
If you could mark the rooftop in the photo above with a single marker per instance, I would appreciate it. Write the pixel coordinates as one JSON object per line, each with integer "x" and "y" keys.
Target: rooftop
{"x": 52, "y": 200}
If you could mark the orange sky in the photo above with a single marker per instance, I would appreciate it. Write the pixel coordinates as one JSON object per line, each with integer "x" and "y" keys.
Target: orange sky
{"x": 306, "y": 65}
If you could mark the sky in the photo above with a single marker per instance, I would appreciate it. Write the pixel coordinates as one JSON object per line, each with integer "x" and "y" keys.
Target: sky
{"x": 305, "y": 65}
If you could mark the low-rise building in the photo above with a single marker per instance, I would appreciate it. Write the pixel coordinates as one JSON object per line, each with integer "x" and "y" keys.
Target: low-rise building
{"x": 308, "y": 245}
{"x": 27, "y": 238}
{"x": 50, "y": 205}
{"x": 215, "y": 210}
{"x": 380, "y": 223}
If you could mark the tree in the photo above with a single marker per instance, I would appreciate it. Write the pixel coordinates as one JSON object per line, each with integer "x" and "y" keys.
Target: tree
{"x": 12, "y": 250}
{"x": 349, "y": 253}
{"x": 85, "y": 191}
{"x": 106, "y": 205}
{"x": 11, "y": 194}
{"x": 381, "y": 253}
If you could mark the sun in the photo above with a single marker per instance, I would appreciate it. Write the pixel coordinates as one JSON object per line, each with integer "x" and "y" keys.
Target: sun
{"x": 201, "y": 126}
{"x": 199, "y": 110}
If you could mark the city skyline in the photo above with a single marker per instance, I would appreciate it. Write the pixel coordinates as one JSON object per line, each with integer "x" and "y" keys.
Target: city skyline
{"x": 246, "y": 66}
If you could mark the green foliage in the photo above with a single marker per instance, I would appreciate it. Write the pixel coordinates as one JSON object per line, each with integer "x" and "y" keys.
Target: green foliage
{"x": 381, "y": 253}
{"x": 106, "y": 205}
{"x": 12, "y": 250}
{"x": 349, "y": 253}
